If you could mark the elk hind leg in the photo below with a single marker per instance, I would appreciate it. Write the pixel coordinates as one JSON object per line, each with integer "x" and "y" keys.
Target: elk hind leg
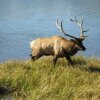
{"x": 33, "y": 58}
{"x": 54, "y": 60}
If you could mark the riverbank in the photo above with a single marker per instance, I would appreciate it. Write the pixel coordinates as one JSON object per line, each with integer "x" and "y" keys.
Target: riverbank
{"x": 41, "y": 81}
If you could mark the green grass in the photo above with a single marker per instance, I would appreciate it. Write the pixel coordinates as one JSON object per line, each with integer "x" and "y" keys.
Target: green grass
{"x": 25, "y": 80}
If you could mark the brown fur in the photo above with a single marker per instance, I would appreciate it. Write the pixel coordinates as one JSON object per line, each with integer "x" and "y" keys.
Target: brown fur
{"x": 57, "y": 46}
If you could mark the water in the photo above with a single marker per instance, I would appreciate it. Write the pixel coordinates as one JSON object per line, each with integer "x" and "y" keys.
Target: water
{"x": 24, "y": 20}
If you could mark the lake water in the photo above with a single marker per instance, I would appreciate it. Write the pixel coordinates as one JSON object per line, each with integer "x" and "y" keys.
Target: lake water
{"x": 24, "y": 20}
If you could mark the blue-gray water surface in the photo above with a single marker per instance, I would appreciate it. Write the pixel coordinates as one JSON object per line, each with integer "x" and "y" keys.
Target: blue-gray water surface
{"x": 24, "y": 20}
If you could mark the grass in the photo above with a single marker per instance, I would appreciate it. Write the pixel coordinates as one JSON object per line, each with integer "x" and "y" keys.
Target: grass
{"x": 25, "y": 80}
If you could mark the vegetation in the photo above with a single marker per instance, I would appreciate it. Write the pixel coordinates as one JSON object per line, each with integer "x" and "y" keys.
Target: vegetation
{"x": 25, "y": 80}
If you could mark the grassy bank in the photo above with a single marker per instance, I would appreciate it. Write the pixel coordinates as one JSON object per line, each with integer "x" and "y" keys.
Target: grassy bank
{"x": 24, "y": 80}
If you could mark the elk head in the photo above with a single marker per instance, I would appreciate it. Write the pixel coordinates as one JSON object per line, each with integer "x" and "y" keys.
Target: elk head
{"x": 78, "y": 41}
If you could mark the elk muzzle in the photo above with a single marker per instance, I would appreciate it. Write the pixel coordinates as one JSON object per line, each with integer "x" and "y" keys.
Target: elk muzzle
{"x": 83, "y": 49}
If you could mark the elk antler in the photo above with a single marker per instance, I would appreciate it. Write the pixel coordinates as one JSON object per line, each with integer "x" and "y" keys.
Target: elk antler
{"x": 80, "y": 25}
{"x": 61, "y": 28}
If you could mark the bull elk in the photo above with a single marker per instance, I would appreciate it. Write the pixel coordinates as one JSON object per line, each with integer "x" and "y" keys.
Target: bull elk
{"x": 58, "y": 46}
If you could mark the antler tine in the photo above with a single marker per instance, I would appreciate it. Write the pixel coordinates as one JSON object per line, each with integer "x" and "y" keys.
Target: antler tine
{"x": 80, "y": 25}
{"x": 75, "y": 19}
{"x": 61, "y": 28}
{"x": 86, "y": 30}
{"x": 83, "y": 31}
{"x": 82, "y": 21}
{"x": 58, "y": 24}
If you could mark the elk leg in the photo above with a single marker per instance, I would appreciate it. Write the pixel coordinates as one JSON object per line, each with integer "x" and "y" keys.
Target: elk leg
{"x": 37, "y": 57}
{"x": 69, "y": 60}
{"x": 55, "y": 60}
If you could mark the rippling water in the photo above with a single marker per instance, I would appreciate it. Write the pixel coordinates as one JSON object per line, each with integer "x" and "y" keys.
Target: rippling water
{"x": 24, "y": 20}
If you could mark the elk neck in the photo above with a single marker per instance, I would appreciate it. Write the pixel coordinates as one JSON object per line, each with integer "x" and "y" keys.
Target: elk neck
{"x": 74, "y": 49}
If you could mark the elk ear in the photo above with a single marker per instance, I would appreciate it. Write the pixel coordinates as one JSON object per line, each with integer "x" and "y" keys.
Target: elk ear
{"x": 82, "y": 38}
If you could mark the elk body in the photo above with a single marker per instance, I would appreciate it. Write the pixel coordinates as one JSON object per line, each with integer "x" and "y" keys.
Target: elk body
{"x": 58, "y": 46}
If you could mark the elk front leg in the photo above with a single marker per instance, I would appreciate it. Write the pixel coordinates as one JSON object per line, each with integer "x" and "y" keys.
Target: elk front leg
{"x": 54, "y": 60}
{"x": 69, "y": 60}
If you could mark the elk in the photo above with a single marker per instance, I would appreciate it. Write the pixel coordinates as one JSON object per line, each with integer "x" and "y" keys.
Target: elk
{"x": 58, "y": 46}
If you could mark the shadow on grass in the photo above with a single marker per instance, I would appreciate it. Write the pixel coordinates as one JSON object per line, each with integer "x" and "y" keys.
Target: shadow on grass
{"x": 5, "y": 90}
{"x": 94, "y": 69}
{"x": 79, "y": 62}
